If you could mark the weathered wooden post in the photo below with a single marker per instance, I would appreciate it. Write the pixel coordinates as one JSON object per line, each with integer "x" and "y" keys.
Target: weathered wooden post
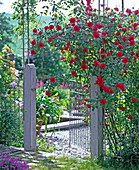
{"x": 96, "y": 124}
{"x": 29, "y": 107}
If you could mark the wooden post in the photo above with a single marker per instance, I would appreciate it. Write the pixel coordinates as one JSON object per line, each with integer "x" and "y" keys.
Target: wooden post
{"x": 96, "y": 124}
{"x": 29, "y": 97}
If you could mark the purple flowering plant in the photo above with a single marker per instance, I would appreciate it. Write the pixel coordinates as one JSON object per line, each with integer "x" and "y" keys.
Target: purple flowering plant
{"x": 9, "y": 163}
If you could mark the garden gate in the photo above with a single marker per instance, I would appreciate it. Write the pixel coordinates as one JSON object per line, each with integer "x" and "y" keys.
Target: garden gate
{"x": 102, "y": 132}
{"x": 80, "y": 133}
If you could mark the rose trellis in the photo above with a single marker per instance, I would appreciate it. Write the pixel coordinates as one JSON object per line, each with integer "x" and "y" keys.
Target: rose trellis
{"x": 102, "y": 46}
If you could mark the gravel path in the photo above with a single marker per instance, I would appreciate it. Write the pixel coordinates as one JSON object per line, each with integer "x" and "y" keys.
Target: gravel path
{"x": 74, "y": 141}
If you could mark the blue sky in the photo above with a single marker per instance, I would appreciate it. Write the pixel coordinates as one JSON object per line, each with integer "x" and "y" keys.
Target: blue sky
{"x": 6, "y": 7}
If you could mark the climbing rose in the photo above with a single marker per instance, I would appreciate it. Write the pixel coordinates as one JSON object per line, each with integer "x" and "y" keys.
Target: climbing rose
{"x": 88, "y": 105}
{"x": 131, "y": 38}
{"x": 119, "y": 54}
{"x": 111, "y": 91}
{"x": 33, "y": 42}
{"x": 96, "y": 63}
{"x": 125, "y": 60}
{"x": 46, "y": 27}
{"x": 52, "y": 79}
{"x": 105, "y": 41}
{"x": 121, "y": 46}
{"x": 108, "y": 54}
{"x": 132, "y": 43}
{"x": 130, "y": 117}
{"x": 72, "y": 20}
{"x": 122, "y": 108}
{"x": 48, "y": 93}
{"x": 41, "y": 45}
{"x": 116, "y": 42}
{"x": 51, "y": 27}
{"x": 40, "y": 33}
{"x": 102, "y": 101}
{"x": 33, "y": 52}
{"x": 84, "y": 66}
{"x": 102, "y": 65}
{"x": 35, "y": 30}
{"x": 134, "y": 100}
{"x": 90, "y": 24}
{"x": 96, "y": 34}
{"x": 85, "y": 50}
{"x": 124, "y": 39}
{"x": 73, "y": 73}
{"x": 76, "y": 28}
{"x": 116, "y": 9}
{"x": 58, "y": 28}
{"x": 118, "y": 33}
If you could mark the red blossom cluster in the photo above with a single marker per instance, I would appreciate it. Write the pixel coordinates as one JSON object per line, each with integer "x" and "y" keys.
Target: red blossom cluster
{"x": 100, "y": 82}
{"x": 120, "y": 86}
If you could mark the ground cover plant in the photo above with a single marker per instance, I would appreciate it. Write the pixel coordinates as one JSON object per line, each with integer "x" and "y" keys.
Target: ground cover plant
{"x": 102, "y": 46}
{"x": 7, "y": 162}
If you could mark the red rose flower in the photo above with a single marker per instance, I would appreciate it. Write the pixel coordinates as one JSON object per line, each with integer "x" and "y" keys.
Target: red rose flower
{"x": 51, "y": 27}
{"x": 116, "y": 42}
{"x": 108, "y": 54}
{"x": 35, "y": 30}
{"x": 68, "y": 43}
{"x": 134, "y": 100}
{"x": 111, "y": 91}
{"x": 103, "y": 56}
{"x": 84, "y": 66}
{"x": 119, "y": 26}
{"x": 40, "y": 33}
{"x": 33, "y": 52}
{"x": 103, "y": 34}
{"x": 90, "y": 24}
{"x": 116, "y": 9}
{"x": 33, "y": 42}
{"x": 95, "y": 28}
{"x": 52, "y": 79}
{"x": 102, "y": 66}
{"x": 130, "y": 117}
{"x": 118, "y": 33}
{"x": 102, "y": 101}
{"x": 119, "y": 54}
{"x": 124, "y": 39}
{"x": 124, "y": 29}
{"x": 132, "y": 43}
{"x": 96, "y": 34}
{"x": 73, "y": 73}
{"x": 58, "y": 28}
{"x": 72, "y": 20}
{"x": 41, "y": 45}
{"x": 122, "y": 108}
{"x": 76, "y": 28}
{"x": 96, "y": 63}
{"x": 50, "y": 39}
{"x": 125, "y": 60}
{"x": 105, "y": 41}
{"x": 88, "y": 105}
{"x": 48, "y": 93}
{"x": 131, "y": 38}
{"x": 85, "y": 50}
{"x": 121, "y": 46}
{"x": 46, "y": 27}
